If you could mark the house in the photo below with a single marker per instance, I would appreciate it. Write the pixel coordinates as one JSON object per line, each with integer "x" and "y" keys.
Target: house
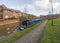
{"x": 8, "y": 13}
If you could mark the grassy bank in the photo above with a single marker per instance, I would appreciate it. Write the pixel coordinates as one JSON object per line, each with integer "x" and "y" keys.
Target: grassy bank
{"x": 52, "y": 34}
{"x": 18, "y": 34}
{"x": 4, "y": 29}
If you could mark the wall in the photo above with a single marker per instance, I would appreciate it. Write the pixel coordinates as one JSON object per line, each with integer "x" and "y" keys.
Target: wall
{"x": 7, "y": 14}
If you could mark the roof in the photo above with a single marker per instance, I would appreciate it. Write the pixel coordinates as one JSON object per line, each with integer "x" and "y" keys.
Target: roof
{"x": 5, "y": 8}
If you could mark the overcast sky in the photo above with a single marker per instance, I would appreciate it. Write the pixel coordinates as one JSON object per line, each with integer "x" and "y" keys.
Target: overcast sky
{"x": 36, "y": 7}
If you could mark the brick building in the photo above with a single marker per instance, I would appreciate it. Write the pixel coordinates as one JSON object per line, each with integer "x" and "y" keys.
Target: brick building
{"x": 8, "y": 13}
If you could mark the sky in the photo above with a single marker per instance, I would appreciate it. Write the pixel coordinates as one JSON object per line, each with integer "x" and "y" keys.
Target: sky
{"x": 35, "y": 7}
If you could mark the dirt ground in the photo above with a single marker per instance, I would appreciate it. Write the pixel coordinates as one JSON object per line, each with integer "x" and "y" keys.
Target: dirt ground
{"x": 8, "y": 22}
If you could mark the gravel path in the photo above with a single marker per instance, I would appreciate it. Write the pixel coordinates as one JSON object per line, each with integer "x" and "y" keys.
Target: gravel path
{"x": 34, "y": 36}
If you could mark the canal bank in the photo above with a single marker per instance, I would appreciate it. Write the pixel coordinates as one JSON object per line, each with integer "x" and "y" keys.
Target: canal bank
{"x": 19, "y": 34}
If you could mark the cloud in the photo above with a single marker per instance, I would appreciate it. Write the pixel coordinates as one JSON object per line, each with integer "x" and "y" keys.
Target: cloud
{"x": 21, "y": 8}
{"x": 41, "y": 4}
{"x": 30, "y": 6}
{"x": 45, "y": 6}
{"x": 56, "y": 7}
{"x": 39, "y": 7}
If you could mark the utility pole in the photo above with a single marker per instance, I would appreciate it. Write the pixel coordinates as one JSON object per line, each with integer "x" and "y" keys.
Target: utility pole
{"x": 52, "y": 10}
{"x": 25, "y": 11}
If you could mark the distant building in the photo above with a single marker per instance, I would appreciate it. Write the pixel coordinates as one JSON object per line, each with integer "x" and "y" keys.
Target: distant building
{"x": 54, "y": 16}
{"x": 43, "y": 16}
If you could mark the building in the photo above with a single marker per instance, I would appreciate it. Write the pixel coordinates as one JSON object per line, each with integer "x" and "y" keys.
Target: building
{"x": 55, "y": 16}
{"x": 8, "y": 13}
{"x": 44, "y": 16}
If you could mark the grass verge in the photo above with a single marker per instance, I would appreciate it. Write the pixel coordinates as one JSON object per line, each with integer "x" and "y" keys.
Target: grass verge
{"x": 18, "y": 35}
{"x": 4, "y": 28}
{"x": 52, "y": 33}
